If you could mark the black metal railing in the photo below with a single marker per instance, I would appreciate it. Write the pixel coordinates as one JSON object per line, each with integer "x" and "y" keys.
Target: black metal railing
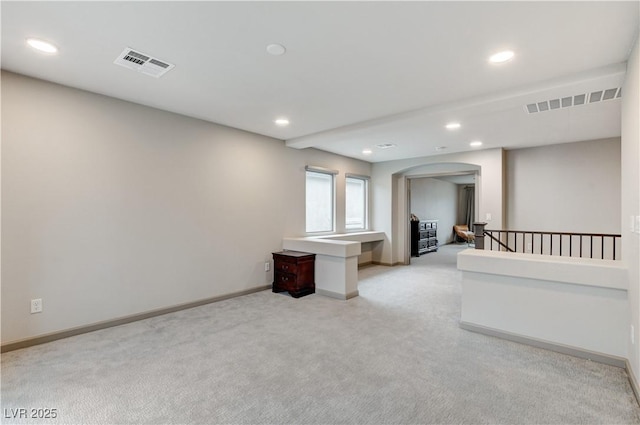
{"x": 584, "y": 245}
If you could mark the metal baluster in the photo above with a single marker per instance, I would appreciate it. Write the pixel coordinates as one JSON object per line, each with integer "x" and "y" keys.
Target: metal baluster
{"x": 561, "y": 245}
{"x": 532, "y": 251}
{"x": 570, "y": 244}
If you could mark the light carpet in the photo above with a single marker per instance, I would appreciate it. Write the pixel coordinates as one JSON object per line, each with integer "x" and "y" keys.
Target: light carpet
{"x": 395, "y": 354}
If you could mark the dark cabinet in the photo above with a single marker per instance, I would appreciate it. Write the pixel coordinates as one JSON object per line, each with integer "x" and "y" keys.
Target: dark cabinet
{"x": 423, "y": 237}
{"x": 294, "y": 272}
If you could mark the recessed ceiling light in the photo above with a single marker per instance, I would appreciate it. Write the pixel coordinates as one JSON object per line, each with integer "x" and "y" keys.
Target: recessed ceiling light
{"x": 367, "y": 151}
{"x": 475, "y": 143}
{"x": 282, "y": 122}
{"x": 42, "y": 45}
{"x": 453, "y": 126}
{"x": 502, "y": 57}
{"x": 385, "y": 145}
{"x": 276, "y": 49}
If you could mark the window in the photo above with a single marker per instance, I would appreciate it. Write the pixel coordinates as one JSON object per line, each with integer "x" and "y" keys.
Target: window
{"x": 356, "y": 202}
{"x": 319, "y": 200}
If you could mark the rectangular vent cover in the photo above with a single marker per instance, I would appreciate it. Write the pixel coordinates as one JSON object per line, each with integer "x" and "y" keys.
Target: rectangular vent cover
{"x": 577, "y": 100}
{"x": 143, "y": 63}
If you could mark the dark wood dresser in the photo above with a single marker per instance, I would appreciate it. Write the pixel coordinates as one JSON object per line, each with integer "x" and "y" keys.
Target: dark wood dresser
{"x": 424, "y": 237}
{"x": 294, "y": 272}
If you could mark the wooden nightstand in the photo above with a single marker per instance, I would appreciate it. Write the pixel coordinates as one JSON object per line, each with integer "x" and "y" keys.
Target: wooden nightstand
{"x": 294, "y": 272}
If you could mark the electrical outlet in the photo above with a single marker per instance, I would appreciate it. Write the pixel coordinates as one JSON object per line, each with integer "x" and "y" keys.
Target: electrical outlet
{"x": 267, "y": 266}
{"x": 36, "y": 305}
{"x": 488, "y": 217}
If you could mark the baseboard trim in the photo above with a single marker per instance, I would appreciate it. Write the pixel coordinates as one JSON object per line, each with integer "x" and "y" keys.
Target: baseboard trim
{"x": 381, "y": 263}
{"x": 547, "y": 345}
{"x": 353, "y": 294}
{"x": 633, "y": 381}
{"x": 337, "y": 295}
{"x": 54, "y": 336}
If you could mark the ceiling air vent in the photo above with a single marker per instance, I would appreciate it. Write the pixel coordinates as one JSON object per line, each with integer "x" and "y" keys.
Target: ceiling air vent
{"x": 577, "y": 100}
{"x": 543, "y": 106}
{"x": 143, "y": 63}
{"x": 596, "y": 96}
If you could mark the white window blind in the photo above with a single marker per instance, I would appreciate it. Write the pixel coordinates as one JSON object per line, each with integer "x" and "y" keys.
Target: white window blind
{"x": 356, "y": 202}
{"x": 320, "y": 197}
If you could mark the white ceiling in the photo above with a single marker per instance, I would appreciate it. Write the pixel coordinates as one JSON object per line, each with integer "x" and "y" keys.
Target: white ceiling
{"x": 355, "y": 74}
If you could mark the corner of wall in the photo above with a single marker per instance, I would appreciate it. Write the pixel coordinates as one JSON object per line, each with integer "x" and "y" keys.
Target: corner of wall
{"x": 630, "y": 204}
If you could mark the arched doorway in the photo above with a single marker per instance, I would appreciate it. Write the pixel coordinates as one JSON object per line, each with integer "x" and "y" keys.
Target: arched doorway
{"x": 404, "y": 193}
{"x": 439, "y": 202}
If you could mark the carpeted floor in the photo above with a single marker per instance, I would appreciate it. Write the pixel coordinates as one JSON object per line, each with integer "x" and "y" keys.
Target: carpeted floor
{"x": 395, "y": 354}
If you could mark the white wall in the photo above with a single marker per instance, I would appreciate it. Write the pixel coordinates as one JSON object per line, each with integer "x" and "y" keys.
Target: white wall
{"x": 573, "y": 187}
{"x": 111, "y": 209}
{"x": 433, "y": 199}
{"x": 631, "y": 197}
{"x": 575, "y": 302}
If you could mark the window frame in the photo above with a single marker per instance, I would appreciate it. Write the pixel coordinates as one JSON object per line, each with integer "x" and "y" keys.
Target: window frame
{"x": 332, "y": 174}
{"x": 366, "y": 180}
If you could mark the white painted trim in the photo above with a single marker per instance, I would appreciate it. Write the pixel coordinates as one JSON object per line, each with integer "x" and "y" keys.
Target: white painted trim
{"x": 333, "y": 248}
{"x": 362, "y": 236}
{"x": 609, "y": 274}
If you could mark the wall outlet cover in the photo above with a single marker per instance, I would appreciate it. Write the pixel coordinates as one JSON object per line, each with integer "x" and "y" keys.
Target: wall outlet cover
{"x": 36, "y": 305}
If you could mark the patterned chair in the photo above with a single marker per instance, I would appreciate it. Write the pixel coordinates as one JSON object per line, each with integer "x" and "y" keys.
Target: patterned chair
{"x": 462, "y": 233}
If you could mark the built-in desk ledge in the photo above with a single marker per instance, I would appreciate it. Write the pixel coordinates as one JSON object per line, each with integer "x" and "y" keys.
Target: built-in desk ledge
{"x": 337, "y": 245}
{"x": 578, "y": 271}
{"x": 368, "y": 236}
{"x": 336, "y": 260}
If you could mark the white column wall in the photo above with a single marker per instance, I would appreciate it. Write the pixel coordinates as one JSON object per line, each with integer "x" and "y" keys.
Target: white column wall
{"x": 631, "y": 200}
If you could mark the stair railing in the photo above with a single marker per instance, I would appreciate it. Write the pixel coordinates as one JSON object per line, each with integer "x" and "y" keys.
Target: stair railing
{"x": 583, "y": 245}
